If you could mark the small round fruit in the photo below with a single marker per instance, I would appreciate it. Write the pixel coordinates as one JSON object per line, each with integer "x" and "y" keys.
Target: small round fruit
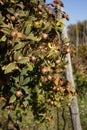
{"x": 57, "y": 62}
{"x": 68, "y": 50}
{"x": 54, "y": 88}
{"x": 40, "y": 12}
{"x": 44, "y": 70}
{"x": 61, "y": 99}
{"x": 58, "y": 89}
{"x": 64, "y": 15}
{"x": 69, "y": 104}
{"x": 50, "y": 12}
{"x": 33, "y": 58}
{"x": 13, "y": 18}
{"x": 40, "y": 7}
{"x": 44, "y": 36}
{"x": 13, "y": 33}
{"x": 18, "y": 94}
{"x": 65, "y": 66}
{"x": 16, "y": 15}
{"x": 52, "y": 102}
{"x": 20, "y": 57}
{"x": 10, "y": 107}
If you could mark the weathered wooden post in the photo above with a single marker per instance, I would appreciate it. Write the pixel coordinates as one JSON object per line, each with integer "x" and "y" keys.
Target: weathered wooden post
{"x": 74, "y": 110}
{"x": 69, "y": 75}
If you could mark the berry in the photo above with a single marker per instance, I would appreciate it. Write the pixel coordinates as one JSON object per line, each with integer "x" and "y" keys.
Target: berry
{"x": 13, "y": 33}
{"x": 16, "y": 15}
{"x": 18, "y": 94}
{"x": 13, "y": 18}
{"x": 44, "y": 70}
{"x": 44, "y": 36}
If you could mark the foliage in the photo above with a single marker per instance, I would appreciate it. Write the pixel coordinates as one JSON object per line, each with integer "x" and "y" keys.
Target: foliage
{"x": 32, "y": 64}
{"x": 80, "y": 68}
{"x": 78, "y": 30}
{"x": 83, "y": 110}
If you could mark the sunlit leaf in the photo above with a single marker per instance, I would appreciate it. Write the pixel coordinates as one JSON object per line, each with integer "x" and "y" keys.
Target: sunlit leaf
{"x": 25, "y": 103}
{"x": 24, "y": 71}
{"x": 32, "y": 37}
{"x": 28, "y": 29}
{"x": 10, "y": 67}
{"x": 10, "y": 10}
{"x": 19, "y": 46}
{"x": 23, "y": 60}
{"x": 12, "y": 99}
{"x": 26, "y": 81}
{"x": 3, "y": 39}
{"x": 30, "y": 66}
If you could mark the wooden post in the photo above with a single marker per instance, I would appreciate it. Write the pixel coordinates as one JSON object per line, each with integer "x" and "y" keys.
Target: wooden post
{"x": 77, "y": 41}
{"x": 69, "y": 75}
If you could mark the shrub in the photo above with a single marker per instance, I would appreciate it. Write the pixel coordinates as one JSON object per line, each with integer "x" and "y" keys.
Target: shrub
{"x": 32, "y": 65}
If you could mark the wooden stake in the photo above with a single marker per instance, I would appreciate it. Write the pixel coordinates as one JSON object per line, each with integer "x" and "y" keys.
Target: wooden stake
{"x": 69, "y": 75}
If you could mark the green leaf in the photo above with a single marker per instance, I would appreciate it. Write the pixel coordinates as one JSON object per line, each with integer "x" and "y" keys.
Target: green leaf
{"x": 20, "y": 5}
{"x": 28, "y": 29}
{"x": 24, "y": 60}
{"x": 32, "y": 18}
{"x": 26, "y": 81}
{"x": 14, "y": 1}
{"x": 59, "y": 25}
{"x": 24, "y": 71}
{"x": 32, "y": 37}
{"x": 5, "y": 30}
{"x": 21, "y": 78}
{"x": 26, "y": 90}
{"x": 11, "y": 10}
{"x": 10, "y": 67}
{"x": 25, "y": 103}
{"x": 30, "y": 66}
{"x": 3, "y": 39}
{"x": 34, "y": 2}
{"x": 17, "y": 54}
{"x": 19, "y": 46}
{"x": 41, "y": 56}
{"x": 12, "y": 99}
{"x": 40, "y": 84}
{"x": 8, "y": 16}
{"x": 66, "y": 40}
{"x": 23, "y": 13}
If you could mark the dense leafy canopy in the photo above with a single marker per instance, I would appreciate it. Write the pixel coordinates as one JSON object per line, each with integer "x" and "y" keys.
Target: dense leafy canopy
{"x": 32, "y": 65}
